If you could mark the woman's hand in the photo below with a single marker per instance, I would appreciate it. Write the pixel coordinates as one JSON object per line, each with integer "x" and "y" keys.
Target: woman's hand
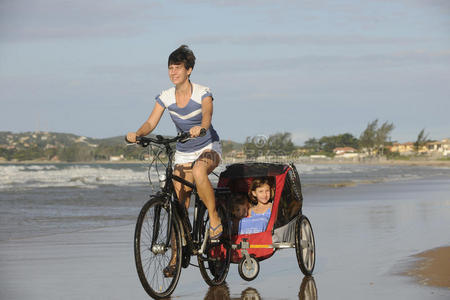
{"x": 131, "y": 137}
{"x": 195, "y": 131}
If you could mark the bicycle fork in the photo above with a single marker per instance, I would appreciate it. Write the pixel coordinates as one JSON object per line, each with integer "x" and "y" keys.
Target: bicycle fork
{"x": 161, "y": 248}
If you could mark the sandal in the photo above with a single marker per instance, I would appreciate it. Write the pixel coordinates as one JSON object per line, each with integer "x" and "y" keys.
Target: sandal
{"x": 170, "y": 271}
{"x": 213, "y": 236}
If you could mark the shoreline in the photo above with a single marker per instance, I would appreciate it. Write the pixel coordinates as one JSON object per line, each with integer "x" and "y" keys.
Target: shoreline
{"x": 432, "y": 267}
{"x": 424, "y": 162}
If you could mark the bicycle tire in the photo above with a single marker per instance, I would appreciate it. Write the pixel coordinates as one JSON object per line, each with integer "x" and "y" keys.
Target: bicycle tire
{"x": 248, "y": 272}
{"x": 214, "y": 263}
{"x": 305, "y": 248}
{"x": 151, "y": 259}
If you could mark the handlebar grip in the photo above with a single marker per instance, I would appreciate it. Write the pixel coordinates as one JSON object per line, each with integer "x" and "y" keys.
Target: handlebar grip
{"x": 202, "y": 132}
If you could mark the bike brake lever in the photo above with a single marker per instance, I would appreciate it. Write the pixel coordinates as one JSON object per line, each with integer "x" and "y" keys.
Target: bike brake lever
{"x": 185, "y": 136}
{"x": 188, "y": 136}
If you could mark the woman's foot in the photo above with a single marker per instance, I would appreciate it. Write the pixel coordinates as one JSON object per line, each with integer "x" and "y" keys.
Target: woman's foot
{"x": 170, "y": 271}
{"x": 215, "y": 226}
{"x": 215, "y": 232}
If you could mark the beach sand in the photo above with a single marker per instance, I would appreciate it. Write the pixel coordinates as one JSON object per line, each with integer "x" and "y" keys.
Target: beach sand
{"x": 433, "y": 267}
{"x": 366, "y": 236}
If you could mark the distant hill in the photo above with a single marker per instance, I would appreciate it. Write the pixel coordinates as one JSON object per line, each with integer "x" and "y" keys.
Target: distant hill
{"x": 67, "y": 147}
{"x": 111, "y": 141}
{"x": 229, "y": 145}
{"x": 45, "y": 139}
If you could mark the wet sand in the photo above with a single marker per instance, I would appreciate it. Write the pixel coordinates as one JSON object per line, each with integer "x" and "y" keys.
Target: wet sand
{"x": 433, "y": 267}
{"x": 366, "y": 235}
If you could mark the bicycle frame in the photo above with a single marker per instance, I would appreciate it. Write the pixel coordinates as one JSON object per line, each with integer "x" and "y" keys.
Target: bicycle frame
{"x": 190, "y": 233}
{"x": 183, "y": 238}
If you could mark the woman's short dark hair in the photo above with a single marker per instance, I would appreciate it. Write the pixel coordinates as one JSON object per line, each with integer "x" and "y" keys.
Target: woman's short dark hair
{"x": 182, "y": 55}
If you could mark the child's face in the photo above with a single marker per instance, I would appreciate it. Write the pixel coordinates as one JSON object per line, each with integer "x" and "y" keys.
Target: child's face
{"x": 240, "y": 211}
{"x": 262, "y": 193}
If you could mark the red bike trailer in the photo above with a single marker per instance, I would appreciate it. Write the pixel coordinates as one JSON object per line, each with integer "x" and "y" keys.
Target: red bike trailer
{"x": 287, "y": 227}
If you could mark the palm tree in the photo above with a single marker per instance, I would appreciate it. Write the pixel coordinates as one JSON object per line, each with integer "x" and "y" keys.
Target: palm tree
{"x": 422, "y": 139}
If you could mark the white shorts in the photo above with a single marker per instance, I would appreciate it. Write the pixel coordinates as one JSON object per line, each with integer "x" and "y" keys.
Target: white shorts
{"x": 189, "y": 157}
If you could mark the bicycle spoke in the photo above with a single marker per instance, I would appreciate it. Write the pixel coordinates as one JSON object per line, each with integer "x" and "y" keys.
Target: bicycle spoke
{"x": 214, "y": 262}
{"x": 153, "y": 255}
{"x": 305, "y": 246}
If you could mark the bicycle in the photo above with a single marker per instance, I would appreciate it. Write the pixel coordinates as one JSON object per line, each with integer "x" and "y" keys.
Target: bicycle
{"x": 164, "y": 232}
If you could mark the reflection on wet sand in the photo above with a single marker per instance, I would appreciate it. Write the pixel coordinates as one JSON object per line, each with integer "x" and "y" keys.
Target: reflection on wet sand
{"x": 308, "y": 291}
{"x": 220, "y": 292}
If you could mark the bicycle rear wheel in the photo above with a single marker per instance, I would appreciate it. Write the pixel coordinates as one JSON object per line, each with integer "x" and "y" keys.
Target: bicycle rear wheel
{"x": 214, "y": 263}
{"x": 154, "y": 248}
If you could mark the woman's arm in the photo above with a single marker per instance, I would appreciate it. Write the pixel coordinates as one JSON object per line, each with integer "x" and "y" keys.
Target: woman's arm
{"x": 149, "y": 125}
{"x": 207, "y": 111}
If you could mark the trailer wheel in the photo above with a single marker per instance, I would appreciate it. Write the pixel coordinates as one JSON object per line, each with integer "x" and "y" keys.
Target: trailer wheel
{"x": 248, "y": 268}
{"x": 305, "y": 247}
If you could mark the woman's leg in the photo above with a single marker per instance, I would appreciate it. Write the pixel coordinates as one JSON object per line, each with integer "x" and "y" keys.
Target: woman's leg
{"x": 184, "y": 196}
{"x": 183, "y": 192}
{"x": 203, "y": 166}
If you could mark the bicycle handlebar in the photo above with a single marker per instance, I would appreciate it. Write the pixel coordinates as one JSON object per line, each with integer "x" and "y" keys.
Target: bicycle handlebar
{"x": 181, "y": 137}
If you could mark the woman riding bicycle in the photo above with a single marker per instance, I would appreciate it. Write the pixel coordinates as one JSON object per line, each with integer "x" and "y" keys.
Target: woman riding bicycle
{"x": 190, "y": 106}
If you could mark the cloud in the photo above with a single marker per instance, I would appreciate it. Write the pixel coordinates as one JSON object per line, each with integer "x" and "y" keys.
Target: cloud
{"x": 299, "y": 39}
{"x": 348, "y": 6}
{"x": 341, "y": 62}
{"x": 46, "y": 19}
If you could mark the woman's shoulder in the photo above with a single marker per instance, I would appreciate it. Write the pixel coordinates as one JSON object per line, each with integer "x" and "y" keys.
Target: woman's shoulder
{"x": 168, "y": 92}
{"x": 199, "y": 87}
{"x": 199, "y": 92}
{"x": 167, "y": 97}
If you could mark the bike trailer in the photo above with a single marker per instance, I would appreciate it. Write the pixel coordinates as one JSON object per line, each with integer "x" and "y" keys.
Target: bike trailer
{"x": 286, "y": 207}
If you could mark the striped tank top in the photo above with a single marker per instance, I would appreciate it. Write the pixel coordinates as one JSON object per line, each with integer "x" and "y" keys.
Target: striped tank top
{"x": 254, "y": 223}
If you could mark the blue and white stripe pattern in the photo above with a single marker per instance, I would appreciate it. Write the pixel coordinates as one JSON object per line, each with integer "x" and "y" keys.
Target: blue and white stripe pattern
{"x": 255, "y": 222}
{"x": 189, "y": 116}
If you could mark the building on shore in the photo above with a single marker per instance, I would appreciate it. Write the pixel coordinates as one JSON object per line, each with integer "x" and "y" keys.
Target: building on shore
{"x": 345, "y": 152}
{"x": 436, "y": 148}
{"x": 116, "y": 158}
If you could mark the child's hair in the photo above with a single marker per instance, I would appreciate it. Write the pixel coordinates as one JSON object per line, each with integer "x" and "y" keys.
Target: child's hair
{"x": 259, "y": 182}
{"x": 182, "y": 55}
{"x": 238, "y": 200}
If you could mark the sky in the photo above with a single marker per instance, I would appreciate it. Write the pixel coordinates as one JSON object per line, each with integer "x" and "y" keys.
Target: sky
{"x": 311, "y": 68}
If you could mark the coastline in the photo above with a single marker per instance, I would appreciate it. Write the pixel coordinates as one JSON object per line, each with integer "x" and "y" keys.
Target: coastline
{"x": 419, "y": 162}
{"x": 432, "y": 267}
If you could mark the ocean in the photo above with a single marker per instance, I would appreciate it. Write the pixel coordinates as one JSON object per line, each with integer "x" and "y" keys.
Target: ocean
{"x": 44, "y": 199}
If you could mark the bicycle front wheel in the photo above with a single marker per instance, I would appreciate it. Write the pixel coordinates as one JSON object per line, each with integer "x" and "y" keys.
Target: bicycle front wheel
{"x": 156, "y": 244}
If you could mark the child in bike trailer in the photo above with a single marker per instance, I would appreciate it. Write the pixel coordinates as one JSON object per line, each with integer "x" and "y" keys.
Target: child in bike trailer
{"x": 190, "y": 106}
{"x": 260, "y": 194}
{"x": 239, "y": 210}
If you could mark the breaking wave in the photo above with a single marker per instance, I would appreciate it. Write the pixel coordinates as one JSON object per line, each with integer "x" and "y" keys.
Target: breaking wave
{"x": 15, "y": 176}
{"x": 83, "y": 176}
